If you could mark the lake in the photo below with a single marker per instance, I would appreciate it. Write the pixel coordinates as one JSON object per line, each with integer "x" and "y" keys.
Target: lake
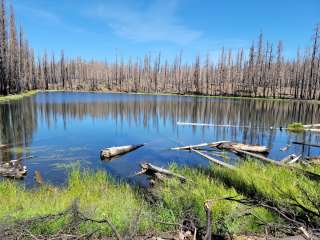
{"x": 64, "y": 129}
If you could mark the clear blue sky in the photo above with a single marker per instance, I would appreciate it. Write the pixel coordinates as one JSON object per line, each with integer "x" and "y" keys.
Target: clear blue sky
{"x": 100, "y": 28}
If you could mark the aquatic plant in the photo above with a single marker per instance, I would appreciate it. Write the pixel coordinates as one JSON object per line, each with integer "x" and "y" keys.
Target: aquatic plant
{"x": 296, "y": 127}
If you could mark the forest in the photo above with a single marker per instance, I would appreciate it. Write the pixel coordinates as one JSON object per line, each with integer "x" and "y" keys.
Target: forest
{"x": 261, "y": 71}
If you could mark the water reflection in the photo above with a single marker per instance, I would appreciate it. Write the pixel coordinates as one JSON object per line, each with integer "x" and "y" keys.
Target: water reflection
{"x": 50, "y": 125}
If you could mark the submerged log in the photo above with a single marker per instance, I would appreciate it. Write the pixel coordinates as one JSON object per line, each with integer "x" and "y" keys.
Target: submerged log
{"x": 116, "y": 151}
{"x": 211, "y": 159}
{"x": 13, "y": 169}
{"x": 233, "y": 146}
{"x": 152, "y": 170}
{"x": 307, "y": 144}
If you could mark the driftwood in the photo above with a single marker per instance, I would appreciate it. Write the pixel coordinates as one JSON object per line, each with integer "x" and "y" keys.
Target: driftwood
{"x": 227, "y": 145}
{"x": 13, "y": 169}
{"x": 116, "y": 151}
{"x": 294, "y": 160}
{"x": 210, "y": 125}
{"x": 309, "y": 174}
{"x": 38, "y": 178}
{"x": 312, "y": 129}
{"x": 288, "y": 158}
{"x": 211, "y": 159}
{"x": 160, "y": 173}
{"x": 3, "y": 146}
{"x": 313, "y": 160}
{"x": 311, "y": 125}
{"x": 286, "y": 148}
{"x": 199, "y": 146}
{"x": 233, "y": 146}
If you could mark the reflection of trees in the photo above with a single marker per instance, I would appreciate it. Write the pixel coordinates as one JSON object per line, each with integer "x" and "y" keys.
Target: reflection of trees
{"x": 18, "y": 121}
{"x": 152, "y": 111}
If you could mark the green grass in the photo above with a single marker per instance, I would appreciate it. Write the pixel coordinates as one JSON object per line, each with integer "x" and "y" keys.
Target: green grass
{"x": 99, "y": 196}
{"x": 278, "y": 185}
{"x": 296, "y": 127}
{"x": 18, "y": 96}
{"x": 226, "y": 216}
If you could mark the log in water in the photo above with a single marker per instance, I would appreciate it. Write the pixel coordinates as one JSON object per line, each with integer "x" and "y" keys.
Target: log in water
{"x": 116, "y": 151}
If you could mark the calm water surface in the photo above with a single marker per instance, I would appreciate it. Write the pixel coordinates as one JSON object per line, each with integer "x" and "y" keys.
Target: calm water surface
{"x": 62, "y": 129}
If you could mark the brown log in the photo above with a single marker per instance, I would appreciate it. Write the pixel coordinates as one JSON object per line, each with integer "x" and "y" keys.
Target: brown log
{"x": 233, "y": 146}
{"x": 3, "y": 146}
{"x": 116, "y": 151}
{"x": 38, "y": 178}
{"x": 13, "y": 169}
{"x": 149, "y": 169}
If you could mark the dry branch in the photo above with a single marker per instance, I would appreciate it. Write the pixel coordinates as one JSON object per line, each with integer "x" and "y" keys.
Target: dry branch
{"x": 211, "y": 159}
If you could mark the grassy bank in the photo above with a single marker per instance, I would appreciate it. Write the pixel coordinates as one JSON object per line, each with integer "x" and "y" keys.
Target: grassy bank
{"x": 99, "y": 197}
{"x": 18, "y": 96}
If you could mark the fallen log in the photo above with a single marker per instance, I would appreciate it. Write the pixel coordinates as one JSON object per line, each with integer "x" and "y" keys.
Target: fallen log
{"x": 116, "y": 151}
{"x": 288, "y": 158}
{"x": 152, "y": 170}
{"x": 199, "y": 146}
{"x": 309, "y": 174}
{"x": 313, "y": 160}
{"x": 13, "y": 169}
{"x": 211, "y": 159}
{"x": 307, "y": 144}
{"x": 312, "y": 130}
{"x": 295, "y": 160}
{"x": 311, "y": 125}
{"x": 38, "y": 178}
{"x": 286, "y": 148}
{"x": 3, "y": 146}
{"x": 233, "y": 146}
{"x": 210, "y": 125}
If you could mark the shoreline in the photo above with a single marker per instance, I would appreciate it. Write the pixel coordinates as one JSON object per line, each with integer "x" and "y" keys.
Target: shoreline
{"x": 34, "y": 92}
{"x": 18, "y": 96}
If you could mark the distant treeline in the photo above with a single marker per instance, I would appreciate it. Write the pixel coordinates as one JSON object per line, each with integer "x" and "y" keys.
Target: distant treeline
{"x": 262, "y": 72}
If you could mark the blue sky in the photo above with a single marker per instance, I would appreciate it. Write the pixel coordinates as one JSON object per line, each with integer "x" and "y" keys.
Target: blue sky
{"x": 101, "y": 28}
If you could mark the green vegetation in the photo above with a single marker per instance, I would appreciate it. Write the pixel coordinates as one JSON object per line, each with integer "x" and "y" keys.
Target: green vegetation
{"x": 296, "y": 127}
{"x": 18, "y": 96}
{"x": 275, "y": 186}
{"x": 227, "y": 216}
{"x": 100, "y": 197}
